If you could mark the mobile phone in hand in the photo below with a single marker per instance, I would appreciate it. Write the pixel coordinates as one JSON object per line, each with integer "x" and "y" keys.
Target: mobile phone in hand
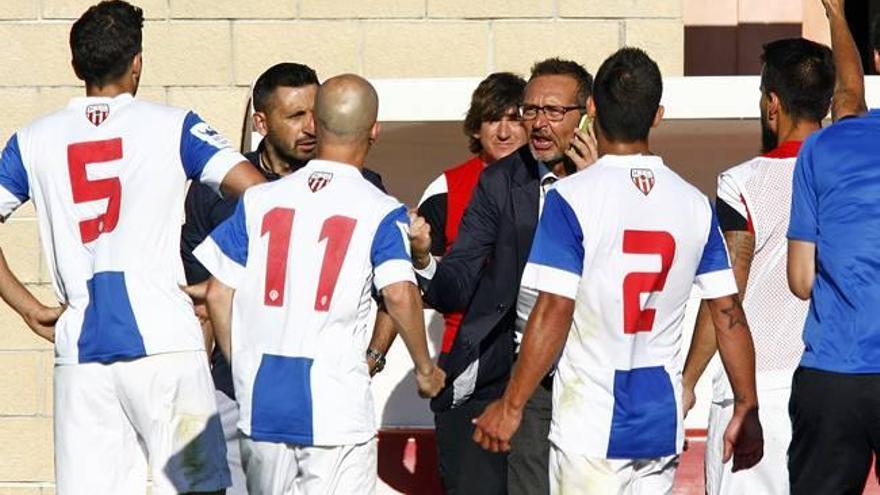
{"x": 586, "y": 122}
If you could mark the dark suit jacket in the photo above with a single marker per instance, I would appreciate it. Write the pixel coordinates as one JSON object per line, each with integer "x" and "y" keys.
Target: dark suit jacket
{"x": 482, "y": 272}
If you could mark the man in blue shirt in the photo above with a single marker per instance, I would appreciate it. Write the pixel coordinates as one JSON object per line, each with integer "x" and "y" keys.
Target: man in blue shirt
{"x": 833, "y": 236}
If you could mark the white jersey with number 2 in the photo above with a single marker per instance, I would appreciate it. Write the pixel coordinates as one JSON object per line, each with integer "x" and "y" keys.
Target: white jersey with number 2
{"x": 107, "y": 177}
{"x": 626, "y": 239}
{"x": 302, "y": 254}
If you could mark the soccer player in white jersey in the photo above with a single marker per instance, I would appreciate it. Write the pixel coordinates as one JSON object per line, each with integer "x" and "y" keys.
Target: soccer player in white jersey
{"x": 107, "y": 176}
{"x": 753, "y": 204}
{"x": 618, "y": 248}
{"x": 290, "y": 298}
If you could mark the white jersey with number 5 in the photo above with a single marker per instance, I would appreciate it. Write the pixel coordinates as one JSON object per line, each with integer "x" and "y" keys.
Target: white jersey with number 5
{"x": 626, "y": 239}
{"x": 107, "y": 177}
{"x": 302, "y": 254}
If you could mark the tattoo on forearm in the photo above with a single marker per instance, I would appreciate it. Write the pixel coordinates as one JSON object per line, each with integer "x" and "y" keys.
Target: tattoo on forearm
{"x": 735, "y": 314}
{"x": 741, "y": 245}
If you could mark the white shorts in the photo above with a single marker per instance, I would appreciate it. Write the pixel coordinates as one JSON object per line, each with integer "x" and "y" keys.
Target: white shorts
{"x": 228, "y": 410}
{"x": 577, "y": 473}
{"x": 768, "y": 476}
{"x": 283, "y": 469}
{"x": 110, "y": 419}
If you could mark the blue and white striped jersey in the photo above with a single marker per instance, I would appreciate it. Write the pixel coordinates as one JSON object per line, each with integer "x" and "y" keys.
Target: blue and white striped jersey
{"x": 107, "y": 177}
{"x": 302, "y": 254}
{"x": 626, "y": 239}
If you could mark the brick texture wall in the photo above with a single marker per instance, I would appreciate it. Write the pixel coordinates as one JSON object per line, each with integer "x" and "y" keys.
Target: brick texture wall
{"x": 204, "y": 54}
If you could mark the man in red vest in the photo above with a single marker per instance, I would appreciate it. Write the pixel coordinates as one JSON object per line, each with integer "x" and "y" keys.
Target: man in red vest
{"x": 494, "y": 130}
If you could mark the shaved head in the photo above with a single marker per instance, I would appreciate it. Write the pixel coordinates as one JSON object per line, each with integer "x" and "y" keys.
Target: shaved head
{"x": 346, "y": 108}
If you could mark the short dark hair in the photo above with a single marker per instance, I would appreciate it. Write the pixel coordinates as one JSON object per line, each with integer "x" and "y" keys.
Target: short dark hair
{"x": 627, "y": 94}
{"x": 285, "y": 74}
{"x": 495, "y": 96}
{"x": 105, "y": 40}
{"x": 559, "y": 67}
{"x": 801, "y": 73}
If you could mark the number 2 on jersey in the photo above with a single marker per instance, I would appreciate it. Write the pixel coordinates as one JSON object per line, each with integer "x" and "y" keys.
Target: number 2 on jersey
{"x": 336, "y": 230}
{"x": 79, "y": 155}
{"x": 636, "y": 319}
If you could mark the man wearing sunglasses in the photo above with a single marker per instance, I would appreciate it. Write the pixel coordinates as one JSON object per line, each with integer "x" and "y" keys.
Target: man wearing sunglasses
{"x": 481, "y": 274}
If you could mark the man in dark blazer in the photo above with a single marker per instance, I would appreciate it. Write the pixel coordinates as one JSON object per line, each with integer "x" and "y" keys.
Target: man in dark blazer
{"x": 481, "y": 277}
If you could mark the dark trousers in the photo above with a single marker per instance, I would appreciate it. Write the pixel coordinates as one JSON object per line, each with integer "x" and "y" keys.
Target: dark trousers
{"x": 465, "y": 468}
{"x": 835, "y": 421}
{"x": 528, "y": 471}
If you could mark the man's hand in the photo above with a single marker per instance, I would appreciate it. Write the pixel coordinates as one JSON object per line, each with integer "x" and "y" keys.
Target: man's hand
{"x": 584, "y": 150}
{"x": 201, "y": 311}
{"x": 430, "y": 384}
{"x": 689, "y": 398}
{"x": 496, "y": 426}
{"x": 744, "y": 439}
{"x": 419, "y": 240}
{"x": 198, "y": 292}
{"x": 42, "y": 321}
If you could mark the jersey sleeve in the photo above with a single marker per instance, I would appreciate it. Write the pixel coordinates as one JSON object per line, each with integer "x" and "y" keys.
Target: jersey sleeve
{"x": 224, "y": 252}
{"x": 389, "y": 253}
{"x": 804, "y": 222}
{"x": 730, "y": 206}
{"x": 204, "y": 212}
{"x": 14, "y": 188}
{"x": 206, "y": 155}
{"x": 432, "y": 207}
{"x": 714, "y": 276}
{"x": 556, "y": 262}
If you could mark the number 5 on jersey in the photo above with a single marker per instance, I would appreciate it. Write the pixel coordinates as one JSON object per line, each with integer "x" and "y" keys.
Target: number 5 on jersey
{"x": 79, "y": 155}
{"x": 278, "y": 224}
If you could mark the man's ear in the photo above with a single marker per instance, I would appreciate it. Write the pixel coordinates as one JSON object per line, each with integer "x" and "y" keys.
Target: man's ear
{"x": 374, "y": 132}
{"x": 260, "y": 123}
{"x": 658, "y": 116}
{"x": 877, "y": 61}
{"x": 591, "y": 106}
{"x": 137, "y": 65}
{"x": 773, "y": 104}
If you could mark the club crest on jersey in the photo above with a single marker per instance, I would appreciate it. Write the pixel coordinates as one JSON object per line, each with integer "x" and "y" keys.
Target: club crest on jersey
{"x": 643, "y": 179}
{"x": 97, "y": 113}
{"x": 318, "y": 180}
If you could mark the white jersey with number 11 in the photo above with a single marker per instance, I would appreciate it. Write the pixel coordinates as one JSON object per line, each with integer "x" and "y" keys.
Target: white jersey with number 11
{"x": 302, "y": 254}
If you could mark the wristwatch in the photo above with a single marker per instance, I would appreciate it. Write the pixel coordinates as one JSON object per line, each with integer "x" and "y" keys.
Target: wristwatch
{"x": 377, "y": 358}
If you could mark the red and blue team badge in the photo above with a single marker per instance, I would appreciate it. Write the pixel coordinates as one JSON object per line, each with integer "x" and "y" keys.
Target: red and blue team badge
{"x": 97, "y": 113}
{"x": 318, "y": 180}
{"x": 643, "y": 178}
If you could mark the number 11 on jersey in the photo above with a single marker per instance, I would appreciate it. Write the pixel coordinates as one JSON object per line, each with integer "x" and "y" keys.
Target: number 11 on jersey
{"x": 278, "y": 224}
